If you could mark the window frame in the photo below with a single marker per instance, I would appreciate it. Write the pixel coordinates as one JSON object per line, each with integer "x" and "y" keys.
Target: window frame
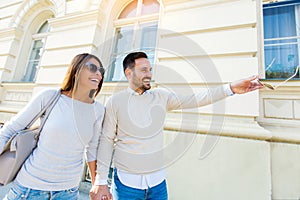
{"x": 263, "y": 40}
{"x": 136, "y": 22}
{"x": 38, "y": 36}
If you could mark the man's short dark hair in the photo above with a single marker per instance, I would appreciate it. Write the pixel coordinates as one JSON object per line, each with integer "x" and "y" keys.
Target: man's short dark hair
{"x": 129, "y": 60}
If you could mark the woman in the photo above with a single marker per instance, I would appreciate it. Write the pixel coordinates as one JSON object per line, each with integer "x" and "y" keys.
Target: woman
{"x": 54, "y": 169}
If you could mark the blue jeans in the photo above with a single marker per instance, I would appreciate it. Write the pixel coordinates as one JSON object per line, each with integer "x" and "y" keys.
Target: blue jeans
{"x": 123, "y": 192}
{"x": 18, "y": 192}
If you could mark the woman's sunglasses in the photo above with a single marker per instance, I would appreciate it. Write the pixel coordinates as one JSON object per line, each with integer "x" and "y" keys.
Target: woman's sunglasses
{"x": 273, "y": 87}
{"x": 94, "y": 68}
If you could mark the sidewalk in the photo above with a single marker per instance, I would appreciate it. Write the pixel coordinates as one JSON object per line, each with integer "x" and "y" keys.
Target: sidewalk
{"x": 4, "y": 190}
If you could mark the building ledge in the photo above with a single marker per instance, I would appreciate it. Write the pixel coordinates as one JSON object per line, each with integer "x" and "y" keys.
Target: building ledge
{"x": 230, "y": 126}
{"x": 285, "y": 134}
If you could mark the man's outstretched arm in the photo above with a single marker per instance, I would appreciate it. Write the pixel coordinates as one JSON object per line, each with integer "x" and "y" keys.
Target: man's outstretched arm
{"x": 212, "y": 95}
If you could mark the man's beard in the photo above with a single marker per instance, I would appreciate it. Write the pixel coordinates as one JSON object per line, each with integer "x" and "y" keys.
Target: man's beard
{"x": 146, "y": 87}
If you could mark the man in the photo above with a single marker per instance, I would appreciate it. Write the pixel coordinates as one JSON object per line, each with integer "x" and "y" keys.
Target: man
{"x": 134, "y": 118}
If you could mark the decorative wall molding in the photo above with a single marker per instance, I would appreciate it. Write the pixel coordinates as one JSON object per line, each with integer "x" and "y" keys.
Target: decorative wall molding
{"x": 17, "y": 96}
{"x": 76, "y": 20}
{"x": 10, "y": 33}
{"x": 59, "y": 7}
{"x": 190, "y": 4}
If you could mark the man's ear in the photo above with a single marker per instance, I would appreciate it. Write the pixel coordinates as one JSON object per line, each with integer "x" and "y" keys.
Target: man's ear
{"x": 128, "y": 72}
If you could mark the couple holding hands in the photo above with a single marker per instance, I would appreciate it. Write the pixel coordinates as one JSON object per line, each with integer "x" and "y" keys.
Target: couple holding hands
{"x": 79, "y": 126}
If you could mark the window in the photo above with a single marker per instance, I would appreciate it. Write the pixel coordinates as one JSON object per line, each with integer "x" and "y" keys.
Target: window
{"x": 35, "y": 54}
{"x": 281, "y": 38}
{"x": 136, "y": 29}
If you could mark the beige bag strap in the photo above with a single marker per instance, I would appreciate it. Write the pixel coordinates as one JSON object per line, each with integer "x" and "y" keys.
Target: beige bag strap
{"x": 47, "y": 110}
{"x": 48, "y": 107}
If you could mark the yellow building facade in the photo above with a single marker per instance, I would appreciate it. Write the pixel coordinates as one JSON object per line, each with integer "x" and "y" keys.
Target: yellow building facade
{"x": 245, "y": 147}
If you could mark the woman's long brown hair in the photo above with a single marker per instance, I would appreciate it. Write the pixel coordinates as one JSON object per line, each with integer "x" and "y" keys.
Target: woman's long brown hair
{"x": 70, "y": 82}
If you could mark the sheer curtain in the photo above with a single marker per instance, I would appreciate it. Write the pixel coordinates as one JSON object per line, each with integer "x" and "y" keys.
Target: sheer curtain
{"x": 127, "y": 40}
{"x": 136, "y": 30}
{"x": 297, "y": 15}
{"x": 281, "y": 32}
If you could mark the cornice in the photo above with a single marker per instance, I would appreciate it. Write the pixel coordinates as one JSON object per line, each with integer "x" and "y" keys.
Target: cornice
{"x": 190, "y": 4}
{"x": 76, "y": 19}
{"x": 10, "y": 32}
